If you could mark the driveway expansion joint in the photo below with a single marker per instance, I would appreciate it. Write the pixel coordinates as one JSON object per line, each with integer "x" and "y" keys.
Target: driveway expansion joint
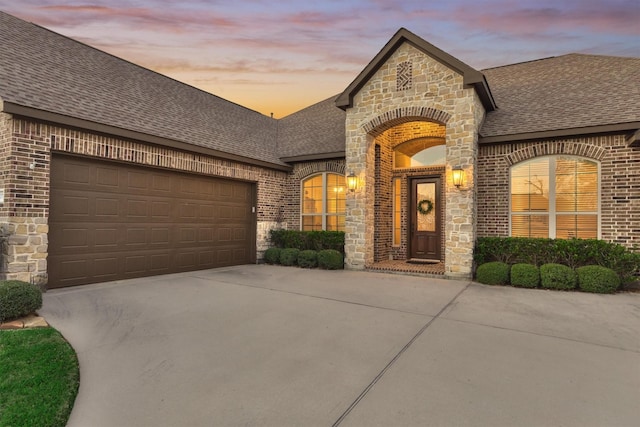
{"x": 302, "y": 294}
{"x": 396, "y": 357}
{"x": 539, "y": 334}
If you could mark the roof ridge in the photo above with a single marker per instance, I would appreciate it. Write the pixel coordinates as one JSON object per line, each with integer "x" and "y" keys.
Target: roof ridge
{"x": 520, "y": 63}
{"x": 593, "y": 55}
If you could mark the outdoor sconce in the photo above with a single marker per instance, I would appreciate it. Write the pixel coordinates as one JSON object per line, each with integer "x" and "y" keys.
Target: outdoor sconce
{"x": 457, "y": 173}
{"x": 352, "y": 182}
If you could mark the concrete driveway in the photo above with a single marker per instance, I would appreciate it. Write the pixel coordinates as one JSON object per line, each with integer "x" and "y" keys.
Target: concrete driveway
{"x": 274, "y": 346}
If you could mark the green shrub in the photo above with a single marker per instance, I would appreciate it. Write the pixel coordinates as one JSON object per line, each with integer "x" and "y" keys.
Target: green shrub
{"x": 330, "y": 259}
{"x": 525, "y": 275}
{"x": 308, "y": 240}
{"x": 308, "y": 258}
{"x": 272, "y": 256}
{"x": 18, "y": 299}
{"x": 597, "y": 279}
{"x": 557, "y": 276}
{"x": 289, "y": 256}
{"x": 493, "y": 273}
{"x": 570, "y": 252}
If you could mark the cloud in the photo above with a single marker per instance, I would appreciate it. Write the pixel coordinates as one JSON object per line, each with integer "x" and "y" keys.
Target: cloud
{"x": 619, "y": 17}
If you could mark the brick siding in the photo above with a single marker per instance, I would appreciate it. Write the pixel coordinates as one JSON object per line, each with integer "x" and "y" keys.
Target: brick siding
{"x": 619, "y": 182}
{"x": 25, "y": 149}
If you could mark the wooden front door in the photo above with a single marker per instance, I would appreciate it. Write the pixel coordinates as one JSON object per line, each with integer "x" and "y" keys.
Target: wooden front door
{"x": 425, "y": 228}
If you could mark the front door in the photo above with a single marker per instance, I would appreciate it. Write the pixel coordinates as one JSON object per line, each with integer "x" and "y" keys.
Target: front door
{"x": 424, "y": 227}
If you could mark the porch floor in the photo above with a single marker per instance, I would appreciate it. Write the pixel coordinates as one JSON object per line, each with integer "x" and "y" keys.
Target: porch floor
{"x": 404, "y": 267}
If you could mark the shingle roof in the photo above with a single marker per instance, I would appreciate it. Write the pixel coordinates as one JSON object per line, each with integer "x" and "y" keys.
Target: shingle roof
{"x": 566, "y": 92}
{"x": 315, "y": 130}
{"x": 46, "y": 71}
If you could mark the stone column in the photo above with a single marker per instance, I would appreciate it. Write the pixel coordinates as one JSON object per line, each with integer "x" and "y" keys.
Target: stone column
{"x": 461, "y": 206}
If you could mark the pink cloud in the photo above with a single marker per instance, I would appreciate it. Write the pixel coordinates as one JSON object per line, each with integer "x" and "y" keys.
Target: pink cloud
{"x": 501, "y": 16}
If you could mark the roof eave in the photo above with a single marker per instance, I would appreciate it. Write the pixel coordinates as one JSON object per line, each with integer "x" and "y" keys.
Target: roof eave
{"x": 310, "y": 157}
{"x": 561, "y": 133}
{"x": 61, "y": 119}
{"x": 471, "y": 76}
{"x": 634, "y": 139}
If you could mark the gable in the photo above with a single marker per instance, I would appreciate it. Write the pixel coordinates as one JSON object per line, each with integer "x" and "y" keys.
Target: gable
{"x": 470, "y": 76}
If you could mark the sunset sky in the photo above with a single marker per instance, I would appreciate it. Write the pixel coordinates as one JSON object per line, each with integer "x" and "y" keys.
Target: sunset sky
{"x": 281, "y": 56}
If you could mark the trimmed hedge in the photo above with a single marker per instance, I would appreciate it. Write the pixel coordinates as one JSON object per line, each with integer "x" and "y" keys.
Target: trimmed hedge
{"x": 330, "y": 259}
{"x": 597, "y": 279}
{"x": 18, "y": 299}
{"x": 289, "y": 256}
{"x": 558, "y": 276}
{"x": 308, "y": 240}
{"x": 308, "y": 259}
{"x": 272, "y": 256}
{"x": 525, "y": 275}
{"x": 570, "y": 252}
{"x": 493, "y": 273}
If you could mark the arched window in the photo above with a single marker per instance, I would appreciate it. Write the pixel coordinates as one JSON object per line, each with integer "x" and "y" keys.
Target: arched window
{"x": 418, "y": 152}
{"x": 323, "y": 203}
{"x": 556, "y": 197}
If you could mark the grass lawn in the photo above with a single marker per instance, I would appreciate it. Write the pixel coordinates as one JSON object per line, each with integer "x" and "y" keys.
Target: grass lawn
{"x": 38, "y": 378}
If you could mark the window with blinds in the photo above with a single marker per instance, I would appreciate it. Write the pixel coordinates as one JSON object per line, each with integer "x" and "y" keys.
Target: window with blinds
{"x": 323, "y": 204}
{"x": 555, "y": 196}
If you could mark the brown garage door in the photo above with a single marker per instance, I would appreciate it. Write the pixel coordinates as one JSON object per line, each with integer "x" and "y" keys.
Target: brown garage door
{"x": 110, "y": 221}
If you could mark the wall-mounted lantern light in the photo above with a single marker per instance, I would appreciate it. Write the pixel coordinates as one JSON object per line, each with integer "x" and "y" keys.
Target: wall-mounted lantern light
{"x": 352, "y": 182}
{"x": 457, "y": 173}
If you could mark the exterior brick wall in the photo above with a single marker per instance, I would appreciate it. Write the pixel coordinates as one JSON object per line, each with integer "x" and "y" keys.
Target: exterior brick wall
{"x": 619, "y": 182}
{"x": 27, "y": 146}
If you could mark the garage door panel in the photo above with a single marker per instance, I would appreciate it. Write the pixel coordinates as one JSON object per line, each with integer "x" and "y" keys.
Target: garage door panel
{"x": 239, "y": 234}
{"x": 188, "y": 211}
{"x": 107, "y": 178}
{"x": 138, "y": 181}
{"x": 187, "y": 260}
{"x": 105, "y": 268}
{"x": 137, "y": 208}
{"x": 135, "y": 265}
{"x": 206, "y": 212}
{"x": 112, "y": 221}
{"x": 187, "y": 236}
{"x": 239, "y": 254}
{"x": 136, "y": 237}
{"x": 160, "y": 210}
{"x": 160, "y": 263}
{"x": 107, "y": 207}
{"x": 161, "y": 184}
{"x": 160, "y": 236}
{"x": 77, "y": 173}
{"x": 205, "y": 235}
{"x": 76, "y": 205}
{"x": 106, "y": 238}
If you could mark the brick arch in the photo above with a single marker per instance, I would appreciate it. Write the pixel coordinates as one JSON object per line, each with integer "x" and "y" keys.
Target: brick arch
{"x": 313, "y": 168}
{"x": 550, "y": 148}
{"x": 403, "y": 115}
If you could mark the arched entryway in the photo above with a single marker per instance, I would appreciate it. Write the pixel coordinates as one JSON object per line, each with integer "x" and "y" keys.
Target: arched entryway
{"x": 409, "y": 197}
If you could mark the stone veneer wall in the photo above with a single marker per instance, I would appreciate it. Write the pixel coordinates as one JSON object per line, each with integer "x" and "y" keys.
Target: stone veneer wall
{"x": 27, "y": 146}
{"x": 619, "y": 182}
{"x": 436, "y": 94}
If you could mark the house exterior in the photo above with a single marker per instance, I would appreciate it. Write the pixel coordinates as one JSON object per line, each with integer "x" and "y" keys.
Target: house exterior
{"x": 111, "y": 171}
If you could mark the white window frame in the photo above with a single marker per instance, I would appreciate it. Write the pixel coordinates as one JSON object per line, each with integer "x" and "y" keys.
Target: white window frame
{"x": 551, "y": 213}
{"x": 324, "y": 214}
